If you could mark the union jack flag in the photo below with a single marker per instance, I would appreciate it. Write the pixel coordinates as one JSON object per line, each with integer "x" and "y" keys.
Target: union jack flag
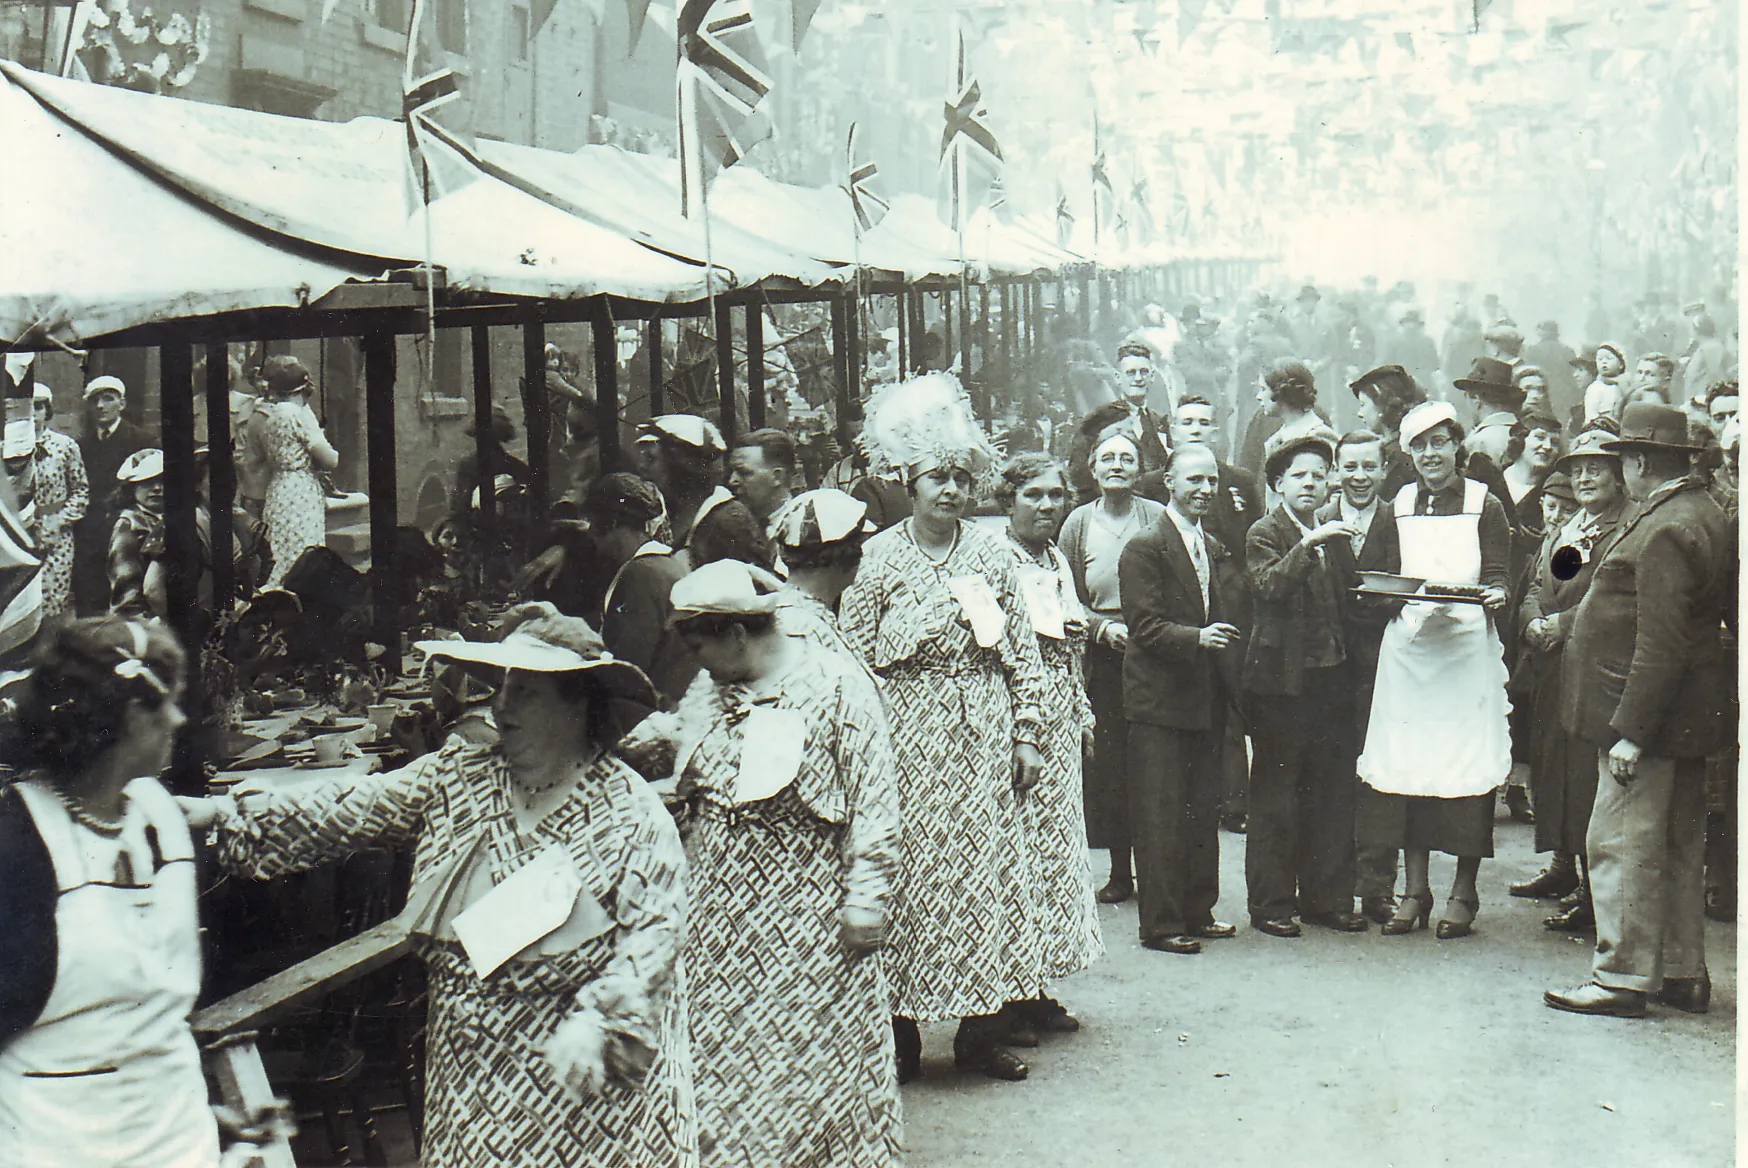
{"x": 437, "y": 162}
{"x": 869, "y": 207}
{"x": 971, "y": 158}
{"x": 722, "y": 80}
{"x": 1064, "y": 219}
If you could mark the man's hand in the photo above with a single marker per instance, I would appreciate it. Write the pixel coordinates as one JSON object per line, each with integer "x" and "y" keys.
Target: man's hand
{"x": 862, "y": 930}
{"x": 199, "y": 812}
{"x": 1116, "y": 635}
{"x": 1493, "y": 597}
{"x": 1334, "y": 529}
{"x": 1217, "y": 635}
{"x": 1028, "y": 766}
{"x": 1623, "y": 761}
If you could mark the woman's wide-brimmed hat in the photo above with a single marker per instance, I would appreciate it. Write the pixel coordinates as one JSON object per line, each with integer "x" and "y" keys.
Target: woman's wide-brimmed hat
{"x": 1653, "y": 426}
{"x": 1424, "y": 417}
{"x": 819, "y": 517}
{"x": 537, "y": 638}
{"x": 1490, "y": 379}
{"x": 686, "y": 429}
{"x": 723, "y": 588}
{"x": 142, "y": 466}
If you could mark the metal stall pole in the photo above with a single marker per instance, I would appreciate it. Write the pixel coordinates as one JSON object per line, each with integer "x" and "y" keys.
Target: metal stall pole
{"x": 181, "y": 493}
{"x": 903, "y": 336}
{"x": 946, "y": 301}
{"x": 1005, "y": 299}
{"x": 221, "y": 476}
{"x": 755, "y": 323}
{"x": 919, "y": 327}
{"x": 729, "y": 423}
{"x": 604, "y": 342}
{"x": 1088, "y": 287}
{"x": 653, "y": 342}
{"x": 842, "y": 310}
{"x": 537, "y": 418}
{"x": 982, "y": 347}
{"x": 379, "y": 445}
{"x": 482, "y": 425}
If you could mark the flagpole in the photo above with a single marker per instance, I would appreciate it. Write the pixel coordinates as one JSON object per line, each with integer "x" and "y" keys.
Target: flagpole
{"x": 693, "y": 180}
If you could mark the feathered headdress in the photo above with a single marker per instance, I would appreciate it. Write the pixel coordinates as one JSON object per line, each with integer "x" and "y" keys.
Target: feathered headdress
{"x": 925, "y": 423}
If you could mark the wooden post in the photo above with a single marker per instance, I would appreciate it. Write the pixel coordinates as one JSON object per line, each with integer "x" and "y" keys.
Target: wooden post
{"x": 983, "y": 373}
{"x": 1087, "y": 286}
{"x": 843, "y": 307}
{"x": 221, "y": 478}
{"x": 730, "y": 421}
{"x": 945, "y": 298}
{"x": 653, "y": 342}
{"x": 605, "y": 344}
{"x": 482, "y": 425}
{"x": 755, "y": 320}
{"x": 181, "y": 493}
{"x": 903, "y": 336}
{"x": 919, "y": 327}
{"x": 379, "y": 444}
{"x": 537, "y": 418}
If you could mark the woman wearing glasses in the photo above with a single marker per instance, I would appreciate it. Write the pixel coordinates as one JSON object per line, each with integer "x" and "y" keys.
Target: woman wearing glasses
{"x": 1437, "y": 743}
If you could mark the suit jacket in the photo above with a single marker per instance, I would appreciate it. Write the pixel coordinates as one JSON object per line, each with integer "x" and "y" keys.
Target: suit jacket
{"x": 1645, "y": 658}
{"x": 1237, "y": 504}
{"x": 1168, "y": 678}
{"x": 635, "y": 626}
{"x": 103, "y": 457}
{"x": 1280, "y": 571}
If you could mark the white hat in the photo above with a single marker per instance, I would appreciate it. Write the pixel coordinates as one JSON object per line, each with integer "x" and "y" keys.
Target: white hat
{"x": 924, "y": 424}
{"x": 1424, "y": 417}
{"x": 142, "y": 466}
{"x": 822, "y": 516}
{"x": 99, "y": 385}
{"x": 726, "y": 587}
{"x": 41, "y": 392}
{"x": 537, "y": 638}
{"x": 688, "y": 430}
{"x": 20, "y": 438}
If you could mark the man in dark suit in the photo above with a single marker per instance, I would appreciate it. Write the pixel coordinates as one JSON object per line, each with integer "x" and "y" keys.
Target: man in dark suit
{"x": 1298, "y": 700}
{"x": 1128, "y": 413}
{"x": 1645, "y": 681}
{"x": 108, "y": 441}
{"x": 1179, "y": 684}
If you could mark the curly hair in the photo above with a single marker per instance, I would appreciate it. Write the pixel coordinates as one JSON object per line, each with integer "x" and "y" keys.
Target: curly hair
{"x": 1394, "y": 398}
{"x": 1019, "y": 470}
{"x": 1727, "y": 388}
{"x": 1291, "y": 385}
{"x": 731, "y": 532}
{"x": 74, "y": 705}
{"x": 1520, "y": 432}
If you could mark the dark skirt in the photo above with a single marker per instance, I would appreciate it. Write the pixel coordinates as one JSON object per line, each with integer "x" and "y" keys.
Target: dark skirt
{"x": 1458, "y": 827}
{"x": 1562, "y": 769}
{"x": 1105, "y": 784}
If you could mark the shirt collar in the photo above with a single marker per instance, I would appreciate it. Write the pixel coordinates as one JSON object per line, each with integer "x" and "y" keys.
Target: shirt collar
{"x": 1348, "y": 511}
{"x": 1189, "y": 527}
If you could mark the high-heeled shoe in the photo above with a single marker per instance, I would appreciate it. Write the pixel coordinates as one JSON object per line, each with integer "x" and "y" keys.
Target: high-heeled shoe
{"x": 1449, "y": 928}
{"x": 1418, "y": 915}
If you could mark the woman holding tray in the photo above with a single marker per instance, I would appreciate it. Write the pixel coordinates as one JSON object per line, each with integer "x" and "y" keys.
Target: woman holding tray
{"x": 1437, "y": 744}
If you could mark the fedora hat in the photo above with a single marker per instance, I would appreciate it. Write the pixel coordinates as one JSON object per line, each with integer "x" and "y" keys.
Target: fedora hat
{"x": 1489, "y": 377}
{"x": 1592, "y": 443}
{"x": 1652, "y": 426}
{"x": 537, "y": 638}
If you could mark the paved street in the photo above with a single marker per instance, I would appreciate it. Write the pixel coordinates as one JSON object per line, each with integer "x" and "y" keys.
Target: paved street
{"x": 1361, "y": 1051}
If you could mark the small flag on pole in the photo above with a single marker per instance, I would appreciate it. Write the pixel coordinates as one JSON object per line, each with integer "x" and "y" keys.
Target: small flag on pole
{"x": 1064, "y": 219}
{"x": 438, "y": 164}
{"x": 722, "y": 79}
{"x": 869, "y": 207}
{"x": 971, "y": 158}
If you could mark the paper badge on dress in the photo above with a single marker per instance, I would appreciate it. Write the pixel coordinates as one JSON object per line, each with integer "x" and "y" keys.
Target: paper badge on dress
{"x": 771, "y": 742}
{"x": 1039, "y": 588}
{"x": 529, "y": 904}
{"x": 978, "y": 602}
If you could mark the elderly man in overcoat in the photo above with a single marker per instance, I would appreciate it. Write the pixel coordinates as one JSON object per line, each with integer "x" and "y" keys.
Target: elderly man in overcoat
{"x": 1645, "y": 680}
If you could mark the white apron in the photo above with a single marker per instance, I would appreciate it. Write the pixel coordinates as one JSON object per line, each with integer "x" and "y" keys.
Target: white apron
{"x": 1438, "y": 724}
{"x": 110, "y": 1074}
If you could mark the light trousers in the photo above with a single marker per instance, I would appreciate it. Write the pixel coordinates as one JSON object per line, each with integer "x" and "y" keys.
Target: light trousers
{"x": 1647, "y": 873}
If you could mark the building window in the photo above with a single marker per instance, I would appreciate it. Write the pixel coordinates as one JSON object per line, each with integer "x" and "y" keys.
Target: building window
{"x": 395, "y": 14}
{"x": 519, "y": 33}
{"x": 452, "y": 25}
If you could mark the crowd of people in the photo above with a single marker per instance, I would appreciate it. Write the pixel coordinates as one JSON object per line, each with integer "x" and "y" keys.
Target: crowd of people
{"x": 777, "y": 772}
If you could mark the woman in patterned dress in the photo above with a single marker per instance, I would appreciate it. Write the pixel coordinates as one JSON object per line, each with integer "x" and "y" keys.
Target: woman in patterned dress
{"x": 62, "y": 497}
{"x": 296, "y": 509}
{"x": 820, "y": 535}
{"x": 570, "y": 1052}
{"x": 790, "y": 813}
{"x": 967, "y": 710}
{"x": 1033, "y": 490}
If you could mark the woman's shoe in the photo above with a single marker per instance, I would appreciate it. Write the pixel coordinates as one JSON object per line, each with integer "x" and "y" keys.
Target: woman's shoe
{"x": 1449, "y": 927}
{"x": 1049, "y": 1016}
{"x": 1116, "y": 891}
{"x": 975, "y": 1049}
{"x": 1015, "y": 1026}
{"x": 908, "y": 1044}
{"x": 1418, "y": 909}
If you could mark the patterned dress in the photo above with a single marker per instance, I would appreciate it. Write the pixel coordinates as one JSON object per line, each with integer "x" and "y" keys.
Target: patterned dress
{"x": 62, "y": 497}
{"x": 1068, "y": 914}
{"x": 296, "y": 509}
{"x": 964, "y": 924}
{"x": 490, "y": 1098}
{"x": 801, "y": 615}
{"x": 790, "y": 1035}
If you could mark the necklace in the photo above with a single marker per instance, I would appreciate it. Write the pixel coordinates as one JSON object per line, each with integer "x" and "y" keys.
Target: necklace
{"x": 531, "y": 792}
{"x": 109, "y": 829}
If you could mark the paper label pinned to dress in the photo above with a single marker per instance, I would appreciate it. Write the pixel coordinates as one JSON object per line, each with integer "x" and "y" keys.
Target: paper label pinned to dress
{"x": 532, "y": 902}
{"x": 1039, "y": 587}
{"x": 978, "y": 602}
{"x": 771, "y": 741}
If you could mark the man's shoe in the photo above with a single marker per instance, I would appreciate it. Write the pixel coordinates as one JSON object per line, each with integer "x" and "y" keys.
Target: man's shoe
{"x": 1379, "y": 908}
{"x": 1692, "y": 995}
{"x": 1214, "y": 930}
{"x": 1598, "y": 999}
{"x": 1185, "y": 945}
{"x": 1116, "y": 892}
{"x": 1341, "y": 922}
{"x": 1557, "y": 879}
{"x": 1577, "y": 919}
{"x": 1517, "y": 802}
{"x": 1284, "y": 927}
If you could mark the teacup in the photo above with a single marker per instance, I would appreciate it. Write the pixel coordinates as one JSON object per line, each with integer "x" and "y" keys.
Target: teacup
{"x": 330, "y": 748}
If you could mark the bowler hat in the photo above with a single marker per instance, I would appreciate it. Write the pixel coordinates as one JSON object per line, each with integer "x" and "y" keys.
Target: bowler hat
{"x": 1490, "y": 378}
{"x": 1652, "y": 426}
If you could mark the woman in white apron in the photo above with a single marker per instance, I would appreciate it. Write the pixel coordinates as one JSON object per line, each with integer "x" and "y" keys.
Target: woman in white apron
{"x": 1438, "y": 743}
{"x": 97, "y": 1063}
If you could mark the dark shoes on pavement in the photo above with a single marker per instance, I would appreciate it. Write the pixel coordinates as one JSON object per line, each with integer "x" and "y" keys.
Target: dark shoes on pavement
{"x": 1692, "y": 995}
{"x": 976, "y": 1047}
{"x": 1116, "y": 891}
{"x": 1517, "y": 801}
{"x": 1575, "y": 918}
{"x": 1341, "y": 922}
{"x": 908, "y": 1042}
{"x": 1459, "y": 918}
{"x": 1214, "y": 930}
{"x": 1379, "y": 909}
{"x": 1180, "y": 944}
{"x": 1557, "y": 879}
{"x": 1592, "y": 998}
{"x": 1412, "y": 912}
{"x": 1279, "y": 927}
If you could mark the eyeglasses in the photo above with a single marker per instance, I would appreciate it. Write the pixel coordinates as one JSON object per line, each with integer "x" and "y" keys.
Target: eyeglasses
{"x": 1437, "y": 444}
